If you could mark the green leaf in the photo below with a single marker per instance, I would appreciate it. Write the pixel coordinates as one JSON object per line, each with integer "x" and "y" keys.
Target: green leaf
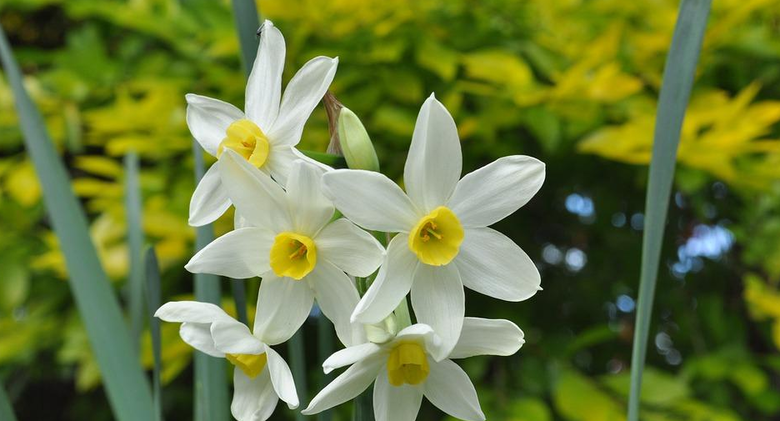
{"x": 211, "y": 391}
{"x": 135, "y": 240}
{"x": 153, "y": 303}
{"x": 295, "y": 348}
{"x": 6, "y": 410}
{"x": 325, "y": 347}
{"x": 676, "y": 90}
{"x": 126, "y": 387}
{"x": 658, "y": 388}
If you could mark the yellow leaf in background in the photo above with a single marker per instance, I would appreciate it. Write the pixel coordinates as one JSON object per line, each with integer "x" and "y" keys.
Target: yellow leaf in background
{"x": 578, "y": 398}
{"x": 99, "y": 165}
{"x": 499, "y": 68}
{"x": 22, "y": 185}
{"x": 91, "y": 187}
{"x": 763, "y": 301}
{"x": 776, "y": 333}
{"x": 437, "y": 58}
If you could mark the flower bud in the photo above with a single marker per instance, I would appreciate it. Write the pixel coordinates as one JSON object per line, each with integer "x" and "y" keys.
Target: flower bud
{"x": 355, "y": 143}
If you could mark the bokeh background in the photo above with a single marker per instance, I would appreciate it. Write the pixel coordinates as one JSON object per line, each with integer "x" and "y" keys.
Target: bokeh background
{"x": 571, "y": 82}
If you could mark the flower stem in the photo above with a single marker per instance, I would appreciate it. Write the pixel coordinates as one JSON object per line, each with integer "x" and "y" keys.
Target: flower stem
{"x": 298, "y": 366}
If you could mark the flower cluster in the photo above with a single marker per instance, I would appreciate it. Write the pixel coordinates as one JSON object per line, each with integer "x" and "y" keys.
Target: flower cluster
{"x": 287, "y": 232}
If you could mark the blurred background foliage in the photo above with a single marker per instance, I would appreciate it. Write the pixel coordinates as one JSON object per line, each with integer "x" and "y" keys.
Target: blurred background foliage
{"x": 572, "y": 82}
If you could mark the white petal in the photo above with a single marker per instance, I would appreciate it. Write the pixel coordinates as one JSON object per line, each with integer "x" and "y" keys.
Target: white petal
{"x": 198, "y": 336}
{"x": 283, "y": 304}
{"x": 208, "y": 119}
{"x": 350, "y": 355}
{"x": 191, "y": 311}
{"x": 434, "y": 162}
{"x": 350, "y": 248}
{"x": 253, "y": 399}
{"x": 349, "y": 384}
{"x": 264, "y": 86}
{"x": 370, "y": 200}
{"x": 420, "y": 332}
{"x": 282, "y": 378}
{"x": 309, "y": 208}
{"x": 391, "y": 285}
{"x": 395, "y": 403}
{"x": 209, "y": 201}
{"x": 240, "y": 254}
{"x": 337, "y": 296}
{"x": 234, "y": 337}
{"x": 487, "y": 337}
{"x": 438, "y": 301}
{"x": 492, "y": 264}
{"x": 493, "y": 192}
{"x": 255, "y": 195}
{"x": 302, "y": 94}
{"x": 449, "y": 389}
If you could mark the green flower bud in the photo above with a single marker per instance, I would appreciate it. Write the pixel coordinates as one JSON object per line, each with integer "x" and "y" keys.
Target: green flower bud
{"x": 355, "y": 143}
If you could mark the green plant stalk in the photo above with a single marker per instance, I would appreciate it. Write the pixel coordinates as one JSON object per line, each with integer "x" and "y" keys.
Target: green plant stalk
{"x": 678, "y": 79}
{"x": 324, "y": 349}
{"x": 153, "y": 303}
{"x": 135, "y": 240}
{"x": 364, "y": 406}
{"x": 125, "y": 384}
{"x": 295, "y": 347}
{"x": 6, "y": 410}
{"x": 211, "y": 391}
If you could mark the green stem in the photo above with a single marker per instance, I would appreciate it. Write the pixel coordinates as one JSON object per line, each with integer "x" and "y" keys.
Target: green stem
{"x": 324, "y": 349}
{"x": 364, "y": 407}
{"x": 675, "y": 92}
{"x": 6, "y": 410}
{"x": 295, "y": 347}
{"x": 153, "y": 303}
{"x": 135, "y": 239}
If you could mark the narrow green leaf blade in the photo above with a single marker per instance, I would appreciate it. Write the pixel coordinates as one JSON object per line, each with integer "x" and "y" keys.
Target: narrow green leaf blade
{"x": 125, "y": 384}
{"x": 153, "y": 301}
{"x": 211, "y": 390}
{"x": 247, "y": 24}
{"x": 325, "y": 347}
{"x": 295, "y": 348}
{"x": 135, "y": 240}
{"x": 676, "y": 90}
{"x": 6, "y": 410}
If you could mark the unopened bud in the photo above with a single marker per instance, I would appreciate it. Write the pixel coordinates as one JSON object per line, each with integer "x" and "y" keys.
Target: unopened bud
{"x": 355, "y": 143}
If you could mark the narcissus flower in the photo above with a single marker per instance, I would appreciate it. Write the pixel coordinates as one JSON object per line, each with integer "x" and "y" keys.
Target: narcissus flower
{"x": 288, "y": 239}
{"x": 443, "y": 241}
{"x": 267, "y": 134}
{"x": 405, "y": 369}
{"x": 260, "y": 376}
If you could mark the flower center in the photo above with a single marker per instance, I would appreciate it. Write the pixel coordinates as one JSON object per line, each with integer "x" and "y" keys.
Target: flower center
{"x": 407, "y": 364}
{"x": 293, "y": 255}
{"x": 248, "y": 140}
{"x": 251, "y": 365}
{"x": 436, "y": 238}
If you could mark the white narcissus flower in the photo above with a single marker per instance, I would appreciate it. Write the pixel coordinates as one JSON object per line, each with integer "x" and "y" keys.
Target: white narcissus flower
{"x": 443, "y": 242}
{"x": 404, "y": 370}
{"x": 287, "y": 238}
{"x": 260, "y": 377}
{"x": 267, "y": 134}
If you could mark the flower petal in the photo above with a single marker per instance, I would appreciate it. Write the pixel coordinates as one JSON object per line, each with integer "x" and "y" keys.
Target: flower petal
{"x": 422, "y": 331}
{"x": 192, "y": 312}
{"x": 434, "y": 162}
{"x": 349, "y": 384}
{"x": 255, "y": 195}
{"x": 253, "y": 399}
{"x": 282, "y": 378}
{"x": 303, "y": 93}
{"x": 492, "y": 264}
{"x": 350, "y": 248}
{"x": 395, "y": 403}
{"x": 438, "y": 301}
{"x": 309, "y": 208}
{"x": 241, "y": 254}
{"x": 391, "y": 285}
{"x": 370, "y": 200}
{"x": 487, "y": 337}
{"x": 208, "y": 119}
{"x": 337, "y": 297}
{"x": 209, "y": 201}
{"x": 234, "y": 337}
{"x": 264, "y": 86}
{"x": 350, "y": 355}
{"x": 449, "y": 389}
{"x": 283, "y": 304}
{"x": 493, "y": 192}
{"x": 198, "y": 336}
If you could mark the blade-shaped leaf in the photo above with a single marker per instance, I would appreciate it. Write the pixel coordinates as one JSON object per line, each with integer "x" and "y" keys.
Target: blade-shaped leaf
{"x": 153, "y": 303}
{"x": 676, "y": 90}
{"x": 127, "y": 389}
{"x": 211, "y": 391}
{"x": 135, "y": 240}
{"x": 6, "y": 410}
